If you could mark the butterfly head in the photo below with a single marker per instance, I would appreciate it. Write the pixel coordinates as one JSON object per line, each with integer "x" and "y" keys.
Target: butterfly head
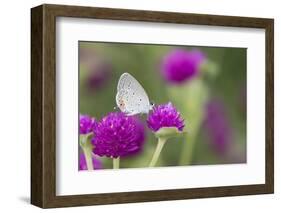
{"x": 121, "y": 105}
{"x": 152, "y": 104}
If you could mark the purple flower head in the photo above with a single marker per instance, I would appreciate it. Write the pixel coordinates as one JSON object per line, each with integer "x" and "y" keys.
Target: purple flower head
{"x": 86, "y": 124}
{"x": 83, "y": 165}
{"x": 180, "y": 65}
{"x": 118, "y": 135}
{"x": 98, "y": 69}
{"x": 218, "y": 126}
{"x": 165, "y": 115}
{"x": 99, "y": 75}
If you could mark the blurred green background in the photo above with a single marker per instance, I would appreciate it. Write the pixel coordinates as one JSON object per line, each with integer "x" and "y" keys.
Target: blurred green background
{"x": 219, "y": 88}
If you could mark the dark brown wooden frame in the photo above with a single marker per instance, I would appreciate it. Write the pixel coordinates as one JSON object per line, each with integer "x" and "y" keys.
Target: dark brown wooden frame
{"x": 43, "y": 105}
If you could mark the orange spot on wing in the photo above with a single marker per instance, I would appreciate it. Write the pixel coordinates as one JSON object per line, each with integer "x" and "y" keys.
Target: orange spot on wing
{"x": 122, "y": 104}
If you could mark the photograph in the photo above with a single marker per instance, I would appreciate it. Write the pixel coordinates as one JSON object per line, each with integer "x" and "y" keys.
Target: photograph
{"x": 160, "y": 105}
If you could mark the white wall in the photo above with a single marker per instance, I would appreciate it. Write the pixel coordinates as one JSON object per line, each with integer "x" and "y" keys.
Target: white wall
{"x": 15, "y": 104}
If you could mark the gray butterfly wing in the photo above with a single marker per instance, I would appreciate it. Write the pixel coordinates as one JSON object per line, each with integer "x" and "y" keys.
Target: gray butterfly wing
{"x": 131, "y": 98}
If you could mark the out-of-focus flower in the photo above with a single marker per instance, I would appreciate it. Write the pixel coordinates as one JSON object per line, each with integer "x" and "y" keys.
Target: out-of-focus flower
{"x": 99, "y": 75}
{"x": 99, "y": 70}
{"x": 86, "y": 124}
{"x": 87, "y": 56}
{"x": 180, "y": 65}
{"x": 218, "y": 126}
{"x": 83, "y": 165}
{"x": 118, "y": 135}
{"x": 165, "y": 115}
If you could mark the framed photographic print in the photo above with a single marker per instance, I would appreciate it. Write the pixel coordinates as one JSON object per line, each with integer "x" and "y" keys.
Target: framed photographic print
{"x": 136, "y": 106}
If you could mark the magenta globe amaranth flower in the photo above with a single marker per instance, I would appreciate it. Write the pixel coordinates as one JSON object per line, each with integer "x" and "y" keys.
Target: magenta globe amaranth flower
{"x": 83, "y": 164}
{"x": 86, "y": 124}
{"x": 180, "y": 65}
{"x": 166, "y": 122}
{"x": 165, "y": 115}
{"x": 118, "y": 135}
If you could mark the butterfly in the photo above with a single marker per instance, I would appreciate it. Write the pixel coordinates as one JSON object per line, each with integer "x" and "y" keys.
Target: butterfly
{"x": 131, "y": 98}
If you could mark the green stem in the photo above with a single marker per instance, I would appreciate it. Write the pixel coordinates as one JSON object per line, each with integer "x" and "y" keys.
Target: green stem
{"x": 188, "y": 147}
{"x": 159, "y": 147}
{"x": 116, "y": 163}
{"x": 88, "y": 156}
{"x": 87, "y": 148}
